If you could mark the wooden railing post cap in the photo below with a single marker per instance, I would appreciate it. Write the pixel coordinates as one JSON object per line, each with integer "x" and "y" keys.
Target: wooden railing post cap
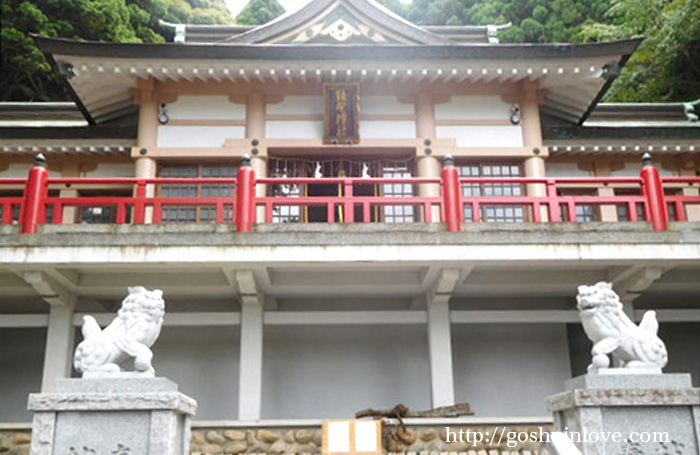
{"x": 245, "y": 161}
{"x": 448, "y": 161}
{"x": 40, "y": 160}
{"x": 646, "y": 159}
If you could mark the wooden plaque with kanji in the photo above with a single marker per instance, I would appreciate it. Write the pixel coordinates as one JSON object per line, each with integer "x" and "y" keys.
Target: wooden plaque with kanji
{"x": 342, "y": 124}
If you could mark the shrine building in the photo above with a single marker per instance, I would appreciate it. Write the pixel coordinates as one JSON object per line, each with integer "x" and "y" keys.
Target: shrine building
{"x": 344, "y": 210}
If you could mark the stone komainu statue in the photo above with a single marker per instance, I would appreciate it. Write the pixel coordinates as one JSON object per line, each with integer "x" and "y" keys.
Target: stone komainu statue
{"x": 128, "y": 338}
{"x": 612, "y": 332}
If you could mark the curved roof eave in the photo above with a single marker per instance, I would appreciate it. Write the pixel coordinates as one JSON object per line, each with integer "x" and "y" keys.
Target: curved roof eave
{"x": 329, "y": 52}
{"x": 610, "y": 54}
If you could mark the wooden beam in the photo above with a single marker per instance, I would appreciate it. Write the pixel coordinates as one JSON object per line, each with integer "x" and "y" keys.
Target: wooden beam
{"x": 345, "y": 317}
{"x": 48, "y": 288}
{"x": 184, "y": 319}
{"x": 213, "y": 319}
{"x": 515, "y": 317}
{"x": 23, "y": 321}
{"x": 631, "y": 282}
{"x": 672, "y": 315}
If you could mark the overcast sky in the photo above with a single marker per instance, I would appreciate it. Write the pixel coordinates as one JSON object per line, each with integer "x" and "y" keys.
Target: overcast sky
{"x": 235, "y": 6}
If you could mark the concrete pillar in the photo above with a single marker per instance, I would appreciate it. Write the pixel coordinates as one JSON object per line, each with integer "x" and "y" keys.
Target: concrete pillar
{"x": 255, "y": 129}
{"x": 58, "y": 355}
{"x": 607, "y": 212}
{"x": 147, "y": 138}
{"x": 69, "y": 170}
{"x": 532, "y": 137}
{"x": 146, "y": 168}
{"x": 425, "y": 116}
{"x": 250, "y": 368}
{"x": 427, "y": 165}
{"x": 688, "y": 168}
{"x": 440, "y": 347}
{"x": 255, "y": 116}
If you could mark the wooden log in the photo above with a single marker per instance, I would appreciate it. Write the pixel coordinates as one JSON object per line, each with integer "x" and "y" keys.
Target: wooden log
{"x": 400, "y": 412}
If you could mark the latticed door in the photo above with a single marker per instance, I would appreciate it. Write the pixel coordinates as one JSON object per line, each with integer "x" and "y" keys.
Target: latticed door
{"x": 336, "y": 167}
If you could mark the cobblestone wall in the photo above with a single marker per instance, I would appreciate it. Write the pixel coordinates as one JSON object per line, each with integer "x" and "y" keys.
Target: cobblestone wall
{"x": 307, "y": 440}
{"x": 15, "y": 442}
{"x": 209, "y": 441}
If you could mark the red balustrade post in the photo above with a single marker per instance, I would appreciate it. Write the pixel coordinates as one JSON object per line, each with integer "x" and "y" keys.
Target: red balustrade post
{"x": 140, "y": 204}
{"x": 35, "y": 193}
{"x": 349, "y": 202}
{"x": 554, "y": 207}
{"x": 245, "y": 197}
{"x": 655, "y": 200}
{"x": 451, "y": 195}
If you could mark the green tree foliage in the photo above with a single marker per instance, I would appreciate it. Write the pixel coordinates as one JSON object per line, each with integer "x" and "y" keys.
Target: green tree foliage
{"x": 432, "y": 12}
{"x": 666, "y": 67}
{"x": 258, "y": 12}
{"x": 534, "y": 21}
{"x": 27, "y": 75}
{"x": 539, "y": 21}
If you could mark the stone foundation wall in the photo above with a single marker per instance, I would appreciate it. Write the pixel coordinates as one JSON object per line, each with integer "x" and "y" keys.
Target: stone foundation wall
{"x": 210, "y": 441}
{"x": 15, "y": 442}
{"x": 308, "y": 440}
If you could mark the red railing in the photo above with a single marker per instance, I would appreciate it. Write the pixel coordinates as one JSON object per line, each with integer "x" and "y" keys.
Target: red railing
{"x": 459, "y": 199}
{"x": 346, "y": 203}
{"x": 556, "y": 202}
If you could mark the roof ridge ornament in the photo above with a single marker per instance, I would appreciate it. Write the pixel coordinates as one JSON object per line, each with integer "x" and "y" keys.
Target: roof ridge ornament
{"x": 692, "y": 110}
{"x": 288, "y": 28}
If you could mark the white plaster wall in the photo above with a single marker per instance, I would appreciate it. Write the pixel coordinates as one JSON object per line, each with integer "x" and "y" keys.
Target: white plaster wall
{"x": 565, "y": 169}
{"x": 198, "y": 136}
{"x": 509, "y": 369}
{"x": 297, "y": 105}
{"x": 375, "y": 129}
{"x": 682, "y": 341}
{"x": 211, "y": 107}
{"x": 303, "y": 129}
{"x": 333, "y": 372}
{"x": 633, "y": 168}
{"x": 683, "y": 344}
{"x": 113, "y": 170}
{"x": 204, "y": 362}
{"x": 21, "y": 364}
{"x": 483, "y": 136}
{"x": 385, "y": 105}
{"x": 473, "y": 108}
{"x": 16, "y": 171}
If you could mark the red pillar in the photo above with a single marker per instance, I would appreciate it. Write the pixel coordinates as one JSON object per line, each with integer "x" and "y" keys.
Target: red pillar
{"x": 140, "y": 205}
{"x": 35, "y": 193}
{"x": 655, "y": 200}
{"x": 452, "y": 195}
{"x": 245, "y": 197}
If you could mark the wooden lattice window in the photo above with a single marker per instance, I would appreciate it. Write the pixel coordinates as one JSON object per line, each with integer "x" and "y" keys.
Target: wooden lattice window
{"x": 101, "y": 214}
{"x": 503, "y": 213}
{"x": 398, "y": 213}
{"x": 196, "y": 213}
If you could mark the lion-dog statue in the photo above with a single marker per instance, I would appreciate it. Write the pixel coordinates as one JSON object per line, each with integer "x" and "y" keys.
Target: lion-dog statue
{"x": 613, "y": 333}
{"x": 128, "y": 338}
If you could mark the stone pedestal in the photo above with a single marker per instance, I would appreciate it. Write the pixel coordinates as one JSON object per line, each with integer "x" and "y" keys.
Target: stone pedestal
{"x": 653, "y": 414}
{"x": 125, "y": 416}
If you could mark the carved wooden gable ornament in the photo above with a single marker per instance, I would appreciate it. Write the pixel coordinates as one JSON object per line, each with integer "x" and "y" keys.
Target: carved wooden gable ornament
{"x": 339, "y": 22}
